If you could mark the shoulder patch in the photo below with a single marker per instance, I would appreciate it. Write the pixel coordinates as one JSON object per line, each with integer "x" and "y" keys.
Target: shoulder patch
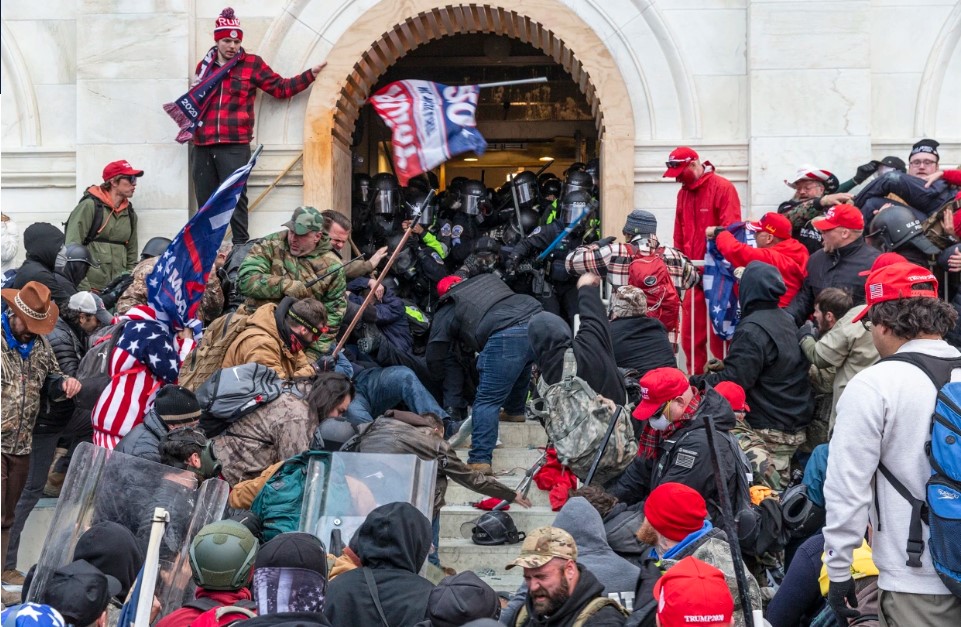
{"x": 684, "y": 460}
{"x": 445, "y": 229}
{"x": 436, "y": 257}
{"x": 457, "y": 231}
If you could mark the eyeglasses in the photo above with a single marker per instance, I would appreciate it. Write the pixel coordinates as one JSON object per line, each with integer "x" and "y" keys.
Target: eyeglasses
{"x": 866, "y": 323}
{"x": 130, "y": 179}
{"x": 923, "y": 162}
{"x": 675, "y": 163}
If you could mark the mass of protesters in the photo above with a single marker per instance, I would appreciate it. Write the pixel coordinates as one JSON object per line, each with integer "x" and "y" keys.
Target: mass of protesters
{"x": 763, "y": 425}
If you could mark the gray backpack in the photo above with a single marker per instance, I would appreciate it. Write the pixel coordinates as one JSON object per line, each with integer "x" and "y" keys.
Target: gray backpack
{"x": 232, "y": 393}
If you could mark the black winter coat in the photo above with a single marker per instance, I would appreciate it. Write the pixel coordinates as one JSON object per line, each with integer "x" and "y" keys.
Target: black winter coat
{"x": 587, "y": 589}
{"x": 42, "y": 242}
{"x": 143, "y": 441}
{"x": 392, "y": 543}
{"x": 69, "y": 346}
{"x": 764, "y": 357}
{"x": 686, "y": 458}
{"x": 840, "y": 268}
{"x": 641, "y": 343}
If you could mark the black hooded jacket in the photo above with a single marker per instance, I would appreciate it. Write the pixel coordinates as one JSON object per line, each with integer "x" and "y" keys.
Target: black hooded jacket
{"x": 765, "y": 358}
{"x": 836, "y": 269}
{"x": 686, "y": 458}
{"x": 641, "y": 343}
{"x": 392, "y": 545}
{"x": 550, "y": 337}
{"x": 587, "y": 589}
{"x": 42, "y": 242}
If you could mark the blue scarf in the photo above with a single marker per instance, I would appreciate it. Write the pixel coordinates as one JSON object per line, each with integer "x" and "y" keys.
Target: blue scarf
{"x": 23, "y": 348}
{"x": 683, "y": 544}
{"x": 187, "y": 110}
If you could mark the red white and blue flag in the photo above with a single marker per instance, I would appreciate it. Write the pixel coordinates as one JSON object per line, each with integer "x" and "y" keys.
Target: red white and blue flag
{"x": 177, "y": 283}
{"x": 429, "y": 122}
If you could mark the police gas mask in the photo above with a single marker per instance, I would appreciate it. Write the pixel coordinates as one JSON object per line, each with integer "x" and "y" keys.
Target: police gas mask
{"x": 210, "y": 466}
{"x": 189, "y": 449}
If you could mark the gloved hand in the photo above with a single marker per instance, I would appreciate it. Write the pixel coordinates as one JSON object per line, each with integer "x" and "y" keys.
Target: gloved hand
{"x": 806, "y": 330}
{"x": 298, "y": 290}
{"x": 713, "y": 365}
{"x": 607, "y": 241}
{"x": 327, "y": 363}
{"x": 866, "y": 170}
{"x": 838, "y": 593}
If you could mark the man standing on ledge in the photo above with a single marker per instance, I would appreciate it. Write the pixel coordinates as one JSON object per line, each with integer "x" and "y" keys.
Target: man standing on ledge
{"x": 225, "y": 126}
{"x": 704, "y": 200}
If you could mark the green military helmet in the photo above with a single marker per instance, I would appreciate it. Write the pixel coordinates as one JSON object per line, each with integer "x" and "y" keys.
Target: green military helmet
{"x": 222, "y": 556}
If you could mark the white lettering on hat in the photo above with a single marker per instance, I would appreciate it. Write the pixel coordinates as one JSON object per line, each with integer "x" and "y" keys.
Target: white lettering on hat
{"x": 920, "y": 277}
{"x": 645, "y": 393}
{"x": 703, "y": 618}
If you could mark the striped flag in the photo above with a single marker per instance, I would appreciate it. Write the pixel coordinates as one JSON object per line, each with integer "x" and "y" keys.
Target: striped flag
{"x": 719, "y": 283}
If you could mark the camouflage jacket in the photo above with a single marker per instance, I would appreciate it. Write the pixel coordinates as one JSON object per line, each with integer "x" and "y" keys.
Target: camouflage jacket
{"x": 23, "y": 383}
{"x": 270, "y": 272}
{"x": 270, "y": 434}
{"x": 211, "y": 304}
{"x": 758, "y": 455}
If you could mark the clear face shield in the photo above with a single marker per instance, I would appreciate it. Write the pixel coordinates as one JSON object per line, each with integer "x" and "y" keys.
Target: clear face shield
{"x": 385, "y": 202}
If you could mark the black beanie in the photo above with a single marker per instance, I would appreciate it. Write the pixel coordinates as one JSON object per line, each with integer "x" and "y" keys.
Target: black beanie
{"x": 461, "y": 598}
{"x": 293, "y": 550}
{"x": 177, "y": 406}
{"x": 929, "y": 146}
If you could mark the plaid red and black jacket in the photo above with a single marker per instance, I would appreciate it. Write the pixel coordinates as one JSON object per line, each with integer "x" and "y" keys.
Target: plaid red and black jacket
{"x": 230, "y": 117}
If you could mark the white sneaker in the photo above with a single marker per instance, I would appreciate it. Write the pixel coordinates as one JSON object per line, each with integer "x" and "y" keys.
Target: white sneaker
{"x": 462, "y": 434}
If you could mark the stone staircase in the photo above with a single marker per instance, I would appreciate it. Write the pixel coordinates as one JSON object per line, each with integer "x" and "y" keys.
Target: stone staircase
{"x": 512, "y": 459}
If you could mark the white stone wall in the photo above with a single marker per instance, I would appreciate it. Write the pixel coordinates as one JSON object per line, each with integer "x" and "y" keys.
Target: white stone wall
{"x": 756, "y": 86}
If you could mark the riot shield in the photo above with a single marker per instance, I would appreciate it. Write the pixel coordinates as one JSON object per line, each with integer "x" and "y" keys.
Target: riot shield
{"x": 343, "y": 488}
{"x": 104, "y": 485}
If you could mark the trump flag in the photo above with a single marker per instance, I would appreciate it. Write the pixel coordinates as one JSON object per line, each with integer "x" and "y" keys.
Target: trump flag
{"x": 429, "y": 122}
{"x": 177, "y": 283}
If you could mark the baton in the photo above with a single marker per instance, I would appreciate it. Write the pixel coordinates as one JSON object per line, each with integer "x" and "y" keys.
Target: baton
{"x": 517, "y": 206}
{"x": 333, "y": 270}
{"x": 380, "y": 278}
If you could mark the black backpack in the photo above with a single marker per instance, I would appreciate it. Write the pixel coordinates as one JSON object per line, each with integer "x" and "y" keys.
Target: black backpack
{"x": 94, "y": 369}
{"x": 232, "y": 393}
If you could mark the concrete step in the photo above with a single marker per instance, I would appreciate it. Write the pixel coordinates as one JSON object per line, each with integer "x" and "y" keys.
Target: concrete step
{"x": 517, "y": 435}
{"x": 453, "y": 516}
{"x": 487, "y": 561}
{"x": 459, "y": 495}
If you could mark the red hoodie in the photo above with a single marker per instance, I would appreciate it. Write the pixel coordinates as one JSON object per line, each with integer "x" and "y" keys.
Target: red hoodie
{"x": 186, "y": 615}
{"x": 789, "y": 256}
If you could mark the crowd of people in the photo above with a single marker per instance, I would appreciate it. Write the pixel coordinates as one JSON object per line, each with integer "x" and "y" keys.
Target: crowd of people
{"x": 841, "y": 327}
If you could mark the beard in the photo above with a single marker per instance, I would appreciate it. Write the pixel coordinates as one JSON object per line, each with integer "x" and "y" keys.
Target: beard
{"x": 547, "y": 603}
{"x": 646, "y": 534}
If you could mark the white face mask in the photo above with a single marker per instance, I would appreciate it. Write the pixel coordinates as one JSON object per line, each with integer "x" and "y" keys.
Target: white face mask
{"x": 660, "y": 423}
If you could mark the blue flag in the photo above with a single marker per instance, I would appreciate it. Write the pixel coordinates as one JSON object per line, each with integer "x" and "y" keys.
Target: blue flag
{"x": 719, "y": 282}
{"x": 177, "y": 283}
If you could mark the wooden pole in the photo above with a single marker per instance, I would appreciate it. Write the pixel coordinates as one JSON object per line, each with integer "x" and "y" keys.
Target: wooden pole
{"x": 273, "y": 184}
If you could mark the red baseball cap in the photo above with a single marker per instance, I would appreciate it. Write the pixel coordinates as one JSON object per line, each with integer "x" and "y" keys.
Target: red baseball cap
{"x": 898, "y": 280}
{"x": 675, "y": 510}
{"x": 774, "y": 223}
{"x": 734, "y": 394}
{"x": 679, "y": 159}
{"x": 119, "y": 168}
{"x": 693, "y": 592}
{"x": 449, "y": 281}
{"x": 659, "y": 386}
{"x": 843, "y": 215}
{"x": 884, "y": 259}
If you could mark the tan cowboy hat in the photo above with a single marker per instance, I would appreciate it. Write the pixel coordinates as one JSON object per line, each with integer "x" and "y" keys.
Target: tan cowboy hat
{"x": 33, "y": 306}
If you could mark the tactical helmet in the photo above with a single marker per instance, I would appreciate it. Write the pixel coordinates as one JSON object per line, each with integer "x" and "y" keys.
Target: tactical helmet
{"x": 222, "y": 555}
{"x": 802, "y": 516}
{"x": 551, "y": 187}
{"x": 526, "y": 185}
{"x": 573, "y": 205}
{"x": 494, "y": 528}
{"x": 593, "y": 168}
{"x": 361, "y": 190}
{"x": 385, "y": 194}
{"x": 528, "y": 220}
{"x": 154, "y": 247}
{"x": 577, "y": 166}
{"x": 474, "y": 199}
{"x": 414, "y": 198}
{"x": 452, "y": 199}
{"x": 578, "y": 180}
{"x": 896, "y": 227}
{"x": 418, "y": 183}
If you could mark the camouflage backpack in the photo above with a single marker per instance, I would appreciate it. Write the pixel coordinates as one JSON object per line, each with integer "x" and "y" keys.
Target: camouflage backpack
{"x": 208, "y": 358}
{"x": 576, "y": 420}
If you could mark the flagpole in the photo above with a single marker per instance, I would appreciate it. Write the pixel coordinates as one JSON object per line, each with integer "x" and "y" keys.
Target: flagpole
{"x": 523, "y": 81}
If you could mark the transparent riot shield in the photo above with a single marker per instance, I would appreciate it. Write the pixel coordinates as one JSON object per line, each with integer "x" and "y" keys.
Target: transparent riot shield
{"x": 104, "y": 485}
{"x": 343, "y": 488}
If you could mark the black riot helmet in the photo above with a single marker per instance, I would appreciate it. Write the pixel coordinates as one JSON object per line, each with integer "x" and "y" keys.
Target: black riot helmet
{"x": 578, "y": 180}
{"x": 414, "y": 199}
{"x": 802, "y": 516}
{"x": 474, "y": 200}
{"x": 419, "y": 183}
{"x": 593, "y": 168}
{"x": 361, "y": 189}
{"x": 574, "y": 204}
{"x": 526, "y": 185}
{"x": 492, "y": 529}
{"x": 577, "y": 166}
{"x": 551, "y": 189}
{"x": 73, "y": 261}
{"x": 405, "y": 264}
{"x": 896, "y": 227}
{"x": 154, "y": 247}
{"x": 451, "y": 198}
{"x": 528, "y": 222}
{"x": 385, "y": 194}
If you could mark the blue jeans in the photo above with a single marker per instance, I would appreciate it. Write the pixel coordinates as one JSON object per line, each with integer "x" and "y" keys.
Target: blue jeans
{"x": 380, "y": 389}
{"x": 504, "y": 366}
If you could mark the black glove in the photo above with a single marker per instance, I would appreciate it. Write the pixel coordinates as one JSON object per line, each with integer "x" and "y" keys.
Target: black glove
{"x": 838, "y": 593}
{"x": 607, "y": 241}
{"x": 866, "y": 170}
{"x": 327, "y": 363}
{"x": 806, "y": 330}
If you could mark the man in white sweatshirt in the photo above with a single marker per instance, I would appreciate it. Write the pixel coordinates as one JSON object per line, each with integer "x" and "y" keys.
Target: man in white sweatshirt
{"x": 883, "y": 418}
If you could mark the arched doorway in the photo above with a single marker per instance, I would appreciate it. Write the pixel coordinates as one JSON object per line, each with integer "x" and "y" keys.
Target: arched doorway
{"x": 355, "y": 65}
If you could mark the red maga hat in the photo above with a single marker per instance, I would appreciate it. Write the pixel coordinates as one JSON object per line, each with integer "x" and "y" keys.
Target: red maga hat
{"x": 679, "y": 159}
{"x": 898, "y": 280}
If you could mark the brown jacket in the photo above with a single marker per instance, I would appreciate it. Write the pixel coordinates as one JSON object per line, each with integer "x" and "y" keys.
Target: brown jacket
{"x": 260, "y": 342}
{"x": 270, "y": 434}
{"x": 405, "y": 432}
{"x": 211, "y": 304}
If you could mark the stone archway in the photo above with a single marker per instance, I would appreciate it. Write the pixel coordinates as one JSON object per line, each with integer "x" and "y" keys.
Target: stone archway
{"x": 389, "y": 30}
